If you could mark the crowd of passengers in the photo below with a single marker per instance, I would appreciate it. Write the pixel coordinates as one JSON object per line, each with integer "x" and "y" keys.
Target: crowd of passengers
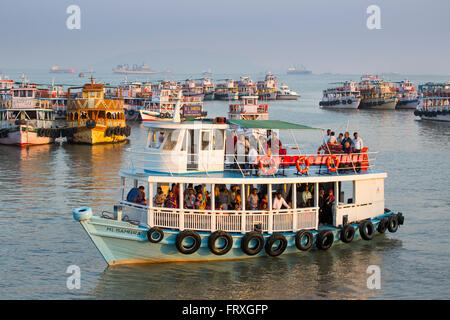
{"x": 348, "y": 144}
{"x": 198, "y": 198}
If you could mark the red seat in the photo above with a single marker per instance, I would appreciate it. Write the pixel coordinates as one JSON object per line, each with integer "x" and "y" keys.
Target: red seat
{"x": 318, "y": 160}
{"x": 294, "y": 159}
{"x": 286, "y": 161}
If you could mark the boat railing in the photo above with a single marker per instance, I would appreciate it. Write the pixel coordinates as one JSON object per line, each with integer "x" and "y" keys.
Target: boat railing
{"x": 286, "y": 220}
{"x": 330, "y": 162}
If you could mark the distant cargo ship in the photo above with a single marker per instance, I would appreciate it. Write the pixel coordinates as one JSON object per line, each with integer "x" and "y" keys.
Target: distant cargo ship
{"x": 142, "y": 69}
{"x": 57, "y": 69}
{"x": 294, "y": 70}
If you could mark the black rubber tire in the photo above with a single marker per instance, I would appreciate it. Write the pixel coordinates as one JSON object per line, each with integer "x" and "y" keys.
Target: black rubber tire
{"x": 392, "y": 224}
{"x": 366, "y": 230}
{"x": 188, "y": 234}
{"x": 220, "y": 235}
{"x": 347, "y": 234}
{"x": 382, "y": 225}
{"x": 349, "y": 101}
{"x": 400, "y": 218}
{"x": 249, "y": 236}
{"x": 416, "y": 112}
{"x": 280, "y": 248}
{"x": 155, "y": 231}
{"x": 324, "y": 240}
{"x": 91, "y": 124}
{"x": 299, "y": 239}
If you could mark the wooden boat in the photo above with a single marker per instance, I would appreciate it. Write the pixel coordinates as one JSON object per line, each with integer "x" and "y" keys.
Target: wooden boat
{"x": 97, "y": 114}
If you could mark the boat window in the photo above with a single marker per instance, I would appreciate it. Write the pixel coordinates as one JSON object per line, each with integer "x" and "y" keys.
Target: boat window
{"x": 218, "y": 139}
{"x": 205, "y": 140}
{"x": 171, "y": 140}
{"x": 30, "y": 93}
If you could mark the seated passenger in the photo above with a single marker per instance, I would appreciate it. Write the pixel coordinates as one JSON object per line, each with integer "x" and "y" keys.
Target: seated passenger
{"x": 306, "y": 198}
{"x": 346, "y": 139}
{"x": 279, "y": 201}
{"x": 340, "y": 138}
{"x": 136, "y": 195}
{"x": 347, "y": 148}
{"x": 264, "y": 203}
{"x": 160, "y": 197}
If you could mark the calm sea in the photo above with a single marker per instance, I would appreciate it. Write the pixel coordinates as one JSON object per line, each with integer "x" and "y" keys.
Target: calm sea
{"x": 40, "y": 185}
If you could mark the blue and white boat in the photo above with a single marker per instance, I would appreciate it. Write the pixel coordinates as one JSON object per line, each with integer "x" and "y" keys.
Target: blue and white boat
{"x": 210, "y": 154}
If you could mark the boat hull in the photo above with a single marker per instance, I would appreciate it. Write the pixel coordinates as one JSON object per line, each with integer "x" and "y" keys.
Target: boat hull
{"x": 444, "y": 118}
{"x": 287, "y": 97}
{"x": 353, "y": 105}
{"x": 378, "y": 104}
{"x": 120, "y": 242}
{"x": 407, "y": 104}
{"x": 94, "y": 136}
{"x": 24, "y": 136}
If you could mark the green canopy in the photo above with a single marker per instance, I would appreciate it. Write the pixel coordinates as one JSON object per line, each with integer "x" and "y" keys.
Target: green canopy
{"x": 270, "y": 124}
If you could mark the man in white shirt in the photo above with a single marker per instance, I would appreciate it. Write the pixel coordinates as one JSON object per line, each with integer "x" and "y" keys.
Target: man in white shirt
{"x": 252, "y": 157}
{"x": 306, "y": 196}
{"x": 357, "y": 143}
{"x": 332, "y": 138}
{"x": 278, "y": 202}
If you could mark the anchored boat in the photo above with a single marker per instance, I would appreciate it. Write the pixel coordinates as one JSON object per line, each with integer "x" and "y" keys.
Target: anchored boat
{"x": 96, "y": 114}
{"x": 434, "y": 102}
{"x": 249, "y": 109}
{"x": 346, "y": 96}
{"x": 407, "y": 95}
{"x": 284, "y": 93}
{"x": 376, "y": 93}
{"x": 225, "y": 203}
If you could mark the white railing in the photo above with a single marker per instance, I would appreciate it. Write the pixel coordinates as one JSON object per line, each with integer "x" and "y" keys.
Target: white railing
{"x": 226, "y": 220}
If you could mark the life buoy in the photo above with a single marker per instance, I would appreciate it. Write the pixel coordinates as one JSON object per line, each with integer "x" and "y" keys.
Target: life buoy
{"x": 220, "y": 242}
{"x": 155, "y": 235}
{"x": 298, "y": 163}
{"x": 252, "y": 243}
{"x": 382, "y": 225}
{"x": 347, "y": 234}
{"x": 324, "y": 240}
{"x": 304, "y": 240}
{"x": 273, "y": 168}
{"x": 392, "y": 224}
{"x": 366, "y": 230}
{"x": 188, "y": 241}
{"x": 336, "y": 163}
{"x": 276, "y": 244}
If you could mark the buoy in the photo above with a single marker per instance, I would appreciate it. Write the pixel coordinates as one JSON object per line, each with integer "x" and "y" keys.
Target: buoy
{"x": 82, "y": 213}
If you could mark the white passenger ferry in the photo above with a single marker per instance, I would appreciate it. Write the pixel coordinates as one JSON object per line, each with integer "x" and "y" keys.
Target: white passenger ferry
{"x": 346, "y": 96}
{"x": 235, "y": 205}
{"x": 284, "y": 93}
{"x": 434, "y": 102}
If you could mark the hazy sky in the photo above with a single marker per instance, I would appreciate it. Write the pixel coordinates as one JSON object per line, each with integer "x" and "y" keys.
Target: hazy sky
{"x": 229, "y": 35}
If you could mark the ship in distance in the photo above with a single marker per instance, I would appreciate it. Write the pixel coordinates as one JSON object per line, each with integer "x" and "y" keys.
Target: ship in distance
{"x": 142, "y": 69}
{"x": 296, "y": 70}
{"x": 57, "y": 69}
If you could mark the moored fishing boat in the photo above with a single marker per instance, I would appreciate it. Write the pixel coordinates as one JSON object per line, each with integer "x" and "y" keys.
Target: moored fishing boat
{"x": 208, "y": 89}
{"x": 376, "y": 93}
{"x": 134, "y": 96}
{"x": 267, "y": 89}
{"x": 23, "y": 117}
{"x": 227, "y": 91}
{"x": 249, "y": 109}
{"x": 434, "y": 102}
{"x": 57, "y": 98}
{"x": 96, "y": 114}
{"x": 246, "y": 87}
{"x": 346, "y": 96}
{"x": 145, "y": 227}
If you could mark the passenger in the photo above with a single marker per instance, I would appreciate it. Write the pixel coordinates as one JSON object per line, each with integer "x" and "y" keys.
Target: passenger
{"x": 332, "y": 138}
{"x": 200, "y": 202}
{"x": 136, "y": 195}
{"x": 264, "y": 203}
{"x": 357, "y": 143}
{"x": 233, "y": 194}
{"x": 346, "y": 139}
{"x": 306, "y": 197}
{"x": 327, "y": 138}
{"x": 329, "y": 207}
{"x": 322, "y": 215}
{"x": 240, "y": 152}
{"x": 160, "y": 198}
{"x": 274, "y": 142}
{"x": 189, "y": 199}
{"x": 225, "y": 198}
{"x": 340, "y": 138}
{"x": 253, "y": 160}
{"x": 279, "y": 201}
{"x": 171, "y": 200}
{"x": 253, "y": 200}
{"x": 262, "y": 145}
{"x": 238, "y": 202}
{"x": 347, "y": 148}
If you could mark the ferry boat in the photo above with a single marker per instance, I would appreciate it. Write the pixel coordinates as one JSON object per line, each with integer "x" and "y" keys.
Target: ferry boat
{"x": 376, "y": 93}
{"x": 57, "y": 98}
{"x": 267, "y": 89}
{"x": 434, "y": 102}
{"x": 142, "y": 69}
{"x": 163, "y": 103}
{"x": 284, "y": 93}
{"x": 194, "y": 160}
{"x": 249, "y": 109}
{"x": 134, "y": 96}
{"x": 346, "y": 96}
{"x": 96, "y": 113}
{"x": 227, "y": 91}
{"x": 24, "y": 118}
{"x": 246, "y": 87}
{"x": 192, "y": 89}
{"x": 208, "y": 89}
{"x": 407, "y": 95}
